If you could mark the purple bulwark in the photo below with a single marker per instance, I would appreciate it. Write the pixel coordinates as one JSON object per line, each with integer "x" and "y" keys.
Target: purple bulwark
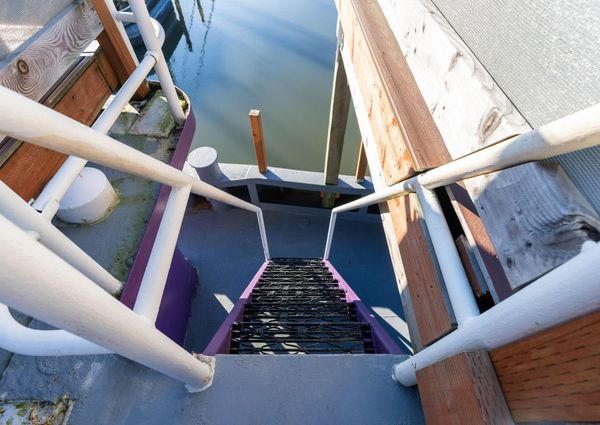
{"x": 176, "y": 304}
{"x": 384, "y": 344}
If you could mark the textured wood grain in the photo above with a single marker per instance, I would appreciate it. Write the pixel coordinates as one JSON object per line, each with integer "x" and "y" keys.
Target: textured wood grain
{"x": 462, "y": 390}
{"x": 471, "y": 111}
{"x": 429, "y": 302}
{"x": 34, "y": 70}
{"x": 553, "y": 376}
{"x": 407, "y": 139}
{"x": 31, "y": 167}
{"x": 116, "y": 50}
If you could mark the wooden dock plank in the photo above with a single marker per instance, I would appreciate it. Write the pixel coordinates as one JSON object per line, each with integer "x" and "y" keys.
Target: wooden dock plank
{"x": 462, "y": 390}
{"x": 553, "y": 376}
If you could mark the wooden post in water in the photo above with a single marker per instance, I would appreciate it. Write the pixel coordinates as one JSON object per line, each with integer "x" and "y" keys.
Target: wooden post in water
{"x": 259, "y": 140}
{"x": 361, "y": 164}
{"x": 116, "y": 50}
{"x": 338, "y": 117}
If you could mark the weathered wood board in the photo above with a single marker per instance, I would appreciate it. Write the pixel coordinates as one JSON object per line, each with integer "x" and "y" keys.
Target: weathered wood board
{"x": 81, "y": 97}
{"x": 396, "y": 110}
{"x": 471, "y": 111}
{"x": 554, "y": 375}
{"x": 463, "y": 390}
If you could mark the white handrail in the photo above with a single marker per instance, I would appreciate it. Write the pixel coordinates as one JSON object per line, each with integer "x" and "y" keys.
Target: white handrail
{"x": 37, "y": 282}
{"x": 25, "y": 119}
{"x": 574, "y": 132}
{"x": 571, "y": 290}
{"x": 48, "y": 202}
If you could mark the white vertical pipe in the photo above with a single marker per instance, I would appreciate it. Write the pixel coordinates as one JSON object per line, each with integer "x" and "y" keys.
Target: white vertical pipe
{"x": 569, "y": 291}
{"x": 19, "y": 339}
{"x": 24, "y": 119}
{"x": 330, "y": 230}
{"x": 48, "y": 202}
{"x": 19, "y": 212}
{"x": 456, "y": 281}
{"x": 113, "y": 10}
{"x": 142, "y": 17}
{"x": 153, "y": 283}
{"x": 37, "y": 282}
{"x": 263, "y": 234}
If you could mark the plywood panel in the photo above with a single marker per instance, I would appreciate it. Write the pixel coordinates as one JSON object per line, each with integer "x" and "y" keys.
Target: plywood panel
{"x": 462, "y": 390}
{"x": 553, "y": 376}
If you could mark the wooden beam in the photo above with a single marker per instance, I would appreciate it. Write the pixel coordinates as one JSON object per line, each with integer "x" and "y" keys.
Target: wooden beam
{"x": 116, "y": 49}
{"x": 471, "y": 112}
{"x": 553, "y": 376}
{"x": 408, "y": 140}
{"x": 259, "y": 139}
{"x": 429, "y": 301}
{"x": 463, "y": 390}
{"x": 338, "y": 118}
{"x": 80, "y": 96}
{"x": 361, "y": 163}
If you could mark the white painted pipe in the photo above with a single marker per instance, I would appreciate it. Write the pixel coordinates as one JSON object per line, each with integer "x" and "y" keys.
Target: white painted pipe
{"x": 143, "y": 20}
{"x": 455, "y": 279}
{"x": 332, "y": 220}
{"x": 567, "y": 292}
{"x": 48, "y": 202}
{"x": 37, "y": 282}
{"x": 153, "y": 283}
{"x": 400, "y": 189}
{"x": 19, "y": 212}
{"x": 573, "y": 132}
{"x": 129, "y": 17}
{"x": 19, "y": 339}
{"x": 24, "y": 119}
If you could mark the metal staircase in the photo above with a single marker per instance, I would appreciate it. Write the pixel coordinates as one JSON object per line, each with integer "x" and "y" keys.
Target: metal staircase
{"x": 300, "y": 306}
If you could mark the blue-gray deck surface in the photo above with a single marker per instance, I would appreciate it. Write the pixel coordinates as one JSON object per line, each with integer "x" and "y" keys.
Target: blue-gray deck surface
{"x": 225, "y": 247}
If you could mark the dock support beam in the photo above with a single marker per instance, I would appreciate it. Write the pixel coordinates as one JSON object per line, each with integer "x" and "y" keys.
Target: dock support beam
{"x": 361, "y": 164}
{"x": 338, "y": 117}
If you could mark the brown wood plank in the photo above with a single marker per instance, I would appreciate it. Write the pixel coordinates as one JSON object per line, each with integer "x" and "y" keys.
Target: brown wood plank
{"x": 429, "y": 302}
{"x": 553, "y": 376}
{"x": 116, "y": 50}
{"x": 361, "y": 163}
{"x": 462, "y": 390}
{"x": 407, "y": 137}
{"x": 31, "y": 167}
{"x": 258, "y": 139}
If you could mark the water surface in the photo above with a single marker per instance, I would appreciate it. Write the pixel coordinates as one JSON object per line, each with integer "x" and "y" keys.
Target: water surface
{"x": 231, "y": 56}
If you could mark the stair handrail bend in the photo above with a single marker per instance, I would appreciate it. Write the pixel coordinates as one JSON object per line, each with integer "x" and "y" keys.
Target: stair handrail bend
{"x": 577, "y": 131}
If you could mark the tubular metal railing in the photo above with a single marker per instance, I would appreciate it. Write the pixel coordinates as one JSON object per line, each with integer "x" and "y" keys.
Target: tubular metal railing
{"x": 574, "y": 132}
{"x": 37, "y": 261}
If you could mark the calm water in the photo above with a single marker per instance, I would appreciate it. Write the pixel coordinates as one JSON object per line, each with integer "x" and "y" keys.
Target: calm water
{"x": 231, "y": 56}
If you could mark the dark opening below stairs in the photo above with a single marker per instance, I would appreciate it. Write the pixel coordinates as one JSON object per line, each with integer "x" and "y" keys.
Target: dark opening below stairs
{"x": 300, "y": 306}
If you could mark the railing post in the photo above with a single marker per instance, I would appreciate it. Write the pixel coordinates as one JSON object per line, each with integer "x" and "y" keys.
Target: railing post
{"x": 455, "y": 279}
{"x": 39, "y": 283}
{"x": 144, "y": 22}
{"x": 259, "y": 140}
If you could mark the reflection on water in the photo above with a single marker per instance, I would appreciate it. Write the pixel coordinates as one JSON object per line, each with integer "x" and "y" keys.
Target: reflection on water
{"x": 231, "y": 56}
